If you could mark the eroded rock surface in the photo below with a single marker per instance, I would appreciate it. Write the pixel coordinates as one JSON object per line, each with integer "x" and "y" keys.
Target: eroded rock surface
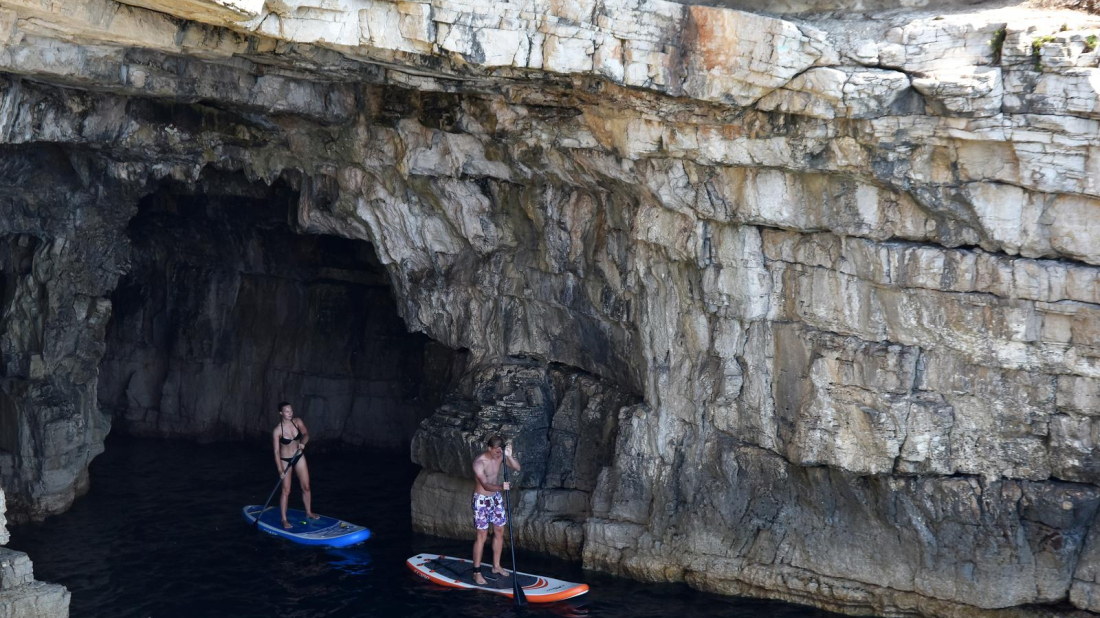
{"x": 59, "y": 208}
{"x": 561, "y": 422}
{"x": 20, "y": 595}
{"x": 225, "y": 312}
{"x": 842, "y": 270}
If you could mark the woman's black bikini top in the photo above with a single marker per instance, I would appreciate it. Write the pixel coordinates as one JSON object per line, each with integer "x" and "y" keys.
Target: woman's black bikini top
{"x": 283, "y": 440}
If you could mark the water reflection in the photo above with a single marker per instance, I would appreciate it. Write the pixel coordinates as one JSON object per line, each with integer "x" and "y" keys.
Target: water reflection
{"x": 503, "y": 607}
{"x": 352, "y": 560}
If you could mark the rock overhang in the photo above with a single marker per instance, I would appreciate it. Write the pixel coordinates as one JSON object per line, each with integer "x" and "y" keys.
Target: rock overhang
{"x": 859, "y": 245}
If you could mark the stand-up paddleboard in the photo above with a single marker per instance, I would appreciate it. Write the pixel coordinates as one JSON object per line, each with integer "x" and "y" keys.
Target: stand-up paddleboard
{"x": 327, "y": 531}
{"x": 459, "y": 573}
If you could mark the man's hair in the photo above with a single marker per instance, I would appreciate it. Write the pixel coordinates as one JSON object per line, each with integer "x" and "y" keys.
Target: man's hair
{"x": 282, "y": 404}
{"x": 495, "y": 440}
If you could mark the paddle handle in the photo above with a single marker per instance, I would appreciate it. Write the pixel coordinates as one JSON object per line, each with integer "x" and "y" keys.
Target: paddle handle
{"x": 282, "y": 476}
{"x": 517, "y": 590}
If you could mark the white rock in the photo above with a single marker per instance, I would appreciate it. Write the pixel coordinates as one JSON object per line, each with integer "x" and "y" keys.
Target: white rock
{"x": 739, "y": 57}
{"x": 973, "y": 91}
{"x": 1075, "y": 227}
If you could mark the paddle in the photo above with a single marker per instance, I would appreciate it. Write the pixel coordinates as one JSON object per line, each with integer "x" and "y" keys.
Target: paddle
{"x": 290, "y": 465}
{"x": 517, "y": 591}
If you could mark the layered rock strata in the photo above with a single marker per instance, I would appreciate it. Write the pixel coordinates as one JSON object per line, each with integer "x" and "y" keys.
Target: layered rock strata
{"x": 847, "y": 265}
{"x": 20, "y": 595}
{"x": 562, "y": 421}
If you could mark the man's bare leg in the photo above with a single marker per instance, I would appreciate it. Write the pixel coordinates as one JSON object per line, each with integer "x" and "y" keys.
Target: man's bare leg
{"x": 498, "y": 545}
{"x": 479, "y": 547}
{"x": 284, "y": 497}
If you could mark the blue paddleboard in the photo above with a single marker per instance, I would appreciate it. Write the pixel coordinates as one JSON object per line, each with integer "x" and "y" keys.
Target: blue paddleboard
{"x": 326, "y": 531}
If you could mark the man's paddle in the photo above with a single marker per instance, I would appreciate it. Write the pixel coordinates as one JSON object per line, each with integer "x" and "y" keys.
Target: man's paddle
{"x": 290, "y": 465}
{"x": 517, "y": 591}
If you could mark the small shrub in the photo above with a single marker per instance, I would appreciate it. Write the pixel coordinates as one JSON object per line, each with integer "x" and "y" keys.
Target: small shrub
{"x": 1091, "y": 42}
{"x": 1039, "y": 42}
{"x": 998, "y": 43}
{"x": 1037, "y": 49}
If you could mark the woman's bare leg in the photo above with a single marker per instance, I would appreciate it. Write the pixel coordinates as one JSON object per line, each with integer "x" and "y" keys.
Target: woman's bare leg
{"x": 284, "y": 497}
{"x": 302, "y": 470}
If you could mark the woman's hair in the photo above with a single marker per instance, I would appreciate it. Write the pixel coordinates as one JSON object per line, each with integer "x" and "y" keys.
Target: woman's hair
{"x": 282, "y": 404}
{"x": 495, "y": 440}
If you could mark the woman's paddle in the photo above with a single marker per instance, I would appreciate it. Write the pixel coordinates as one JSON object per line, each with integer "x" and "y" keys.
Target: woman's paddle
{"x": 290, "y": 465}
{"x": 517, "y": 590}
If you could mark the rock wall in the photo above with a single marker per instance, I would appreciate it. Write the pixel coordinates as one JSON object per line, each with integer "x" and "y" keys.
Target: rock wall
{"x": 20, "y": 595}
{"x": 226, "y": 311}
{"x": 842, "y": 270}
{"x": 563, "y": 422}
{"x": 54, "y": 318}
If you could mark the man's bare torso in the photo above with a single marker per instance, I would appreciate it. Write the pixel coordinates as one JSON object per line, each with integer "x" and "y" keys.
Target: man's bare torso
{"x": 491, "y": 469}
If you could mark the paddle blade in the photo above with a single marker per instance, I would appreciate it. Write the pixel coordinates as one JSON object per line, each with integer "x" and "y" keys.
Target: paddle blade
{"x": 517, "y": 592}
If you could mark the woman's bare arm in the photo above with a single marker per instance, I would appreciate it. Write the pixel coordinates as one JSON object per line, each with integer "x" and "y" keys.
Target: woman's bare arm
{"x": 305, "y": 432}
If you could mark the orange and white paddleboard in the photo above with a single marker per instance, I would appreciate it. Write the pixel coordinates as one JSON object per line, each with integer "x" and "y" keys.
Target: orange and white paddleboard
{"x": 459, "y": 573}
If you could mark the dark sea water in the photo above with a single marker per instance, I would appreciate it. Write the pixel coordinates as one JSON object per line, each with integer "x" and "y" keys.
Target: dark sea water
{"x": 160, "y": 534}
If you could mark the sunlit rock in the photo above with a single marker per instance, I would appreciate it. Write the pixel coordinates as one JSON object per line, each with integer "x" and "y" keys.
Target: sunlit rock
{"x": 977, "y": 91}
{"x": 801, "y": 305}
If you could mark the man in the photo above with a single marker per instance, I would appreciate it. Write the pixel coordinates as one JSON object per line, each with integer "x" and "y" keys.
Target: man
{"x": 489, "y": 505}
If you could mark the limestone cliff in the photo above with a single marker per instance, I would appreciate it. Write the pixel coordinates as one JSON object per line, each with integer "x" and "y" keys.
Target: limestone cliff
{"x": 20, "y": 595}
{"x": 822, "y": 290}
{"x": 563, "y": 422}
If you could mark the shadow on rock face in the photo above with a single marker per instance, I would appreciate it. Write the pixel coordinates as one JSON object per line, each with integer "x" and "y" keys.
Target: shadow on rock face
{"x": 562, "y": 424}
{"x": 227, "y": 311}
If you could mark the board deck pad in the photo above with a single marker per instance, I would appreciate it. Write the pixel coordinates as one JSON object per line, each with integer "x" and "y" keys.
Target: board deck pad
{"x": 459, "y": 573}
{"x": 326, "y": 531}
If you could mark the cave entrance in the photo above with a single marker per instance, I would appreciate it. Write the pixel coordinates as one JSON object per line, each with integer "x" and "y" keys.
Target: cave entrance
{"x": 227, "y": 310}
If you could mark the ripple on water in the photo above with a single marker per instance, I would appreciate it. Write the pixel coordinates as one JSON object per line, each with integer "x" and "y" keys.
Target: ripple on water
{"x": 160, "y": 535}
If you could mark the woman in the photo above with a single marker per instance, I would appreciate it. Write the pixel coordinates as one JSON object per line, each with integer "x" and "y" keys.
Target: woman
{"x": 289, "y": 440}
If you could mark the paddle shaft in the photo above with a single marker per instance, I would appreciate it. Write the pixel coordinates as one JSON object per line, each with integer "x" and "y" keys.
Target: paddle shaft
{"x": 517, "y": 590}
{"x": 290, "y": 465}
